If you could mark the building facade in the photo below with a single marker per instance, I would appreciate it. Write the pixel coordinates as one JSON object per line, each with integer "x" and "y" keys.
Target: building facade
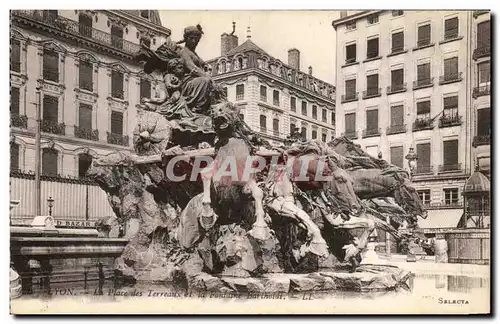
{"x": 274, "y": 97}
{"x": 77, "y": 66}
{"x": 405, "y": 79}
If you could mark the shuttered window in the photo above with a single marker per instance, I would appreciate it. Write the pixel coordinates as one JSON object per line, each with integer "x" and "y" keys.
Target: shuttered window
{"x": 450, "y": 106}
{"x": 350, "y": 123}
{"x": 14, "y": 101}
{"x": 50, "y": 108}
{"x": 293, "y": 104}
{"x": 424, "y": 72}
{"x": 451, "y": 68}
{"x": 372, "y": 49}
{"x": 450, "y": 153}
{"x": 397, "y": 115}
{"x": 350, "y": 88}
{"x": 85, "y": 75}
{"x": 398, "y": 42}
{"x": 424, "y": 157}
{"x": 49, "y": 162}
{"x": 397, "y": 156}
{"x": 424, "y": 35}
{"x": 85, "y": 116}
{"x": 484, "y": 73}
{"x": 483, "y": 34}
{"x": 14, "y": 156}
{"x": 117, "y": 84}
{"x": 372, "y": 119}
{"x": 15, "y": 55}
{"x": 263, "y": 123}
{"x": 451, "y": 28}
{"x": 50, "y": 65}
{"x": 483, "y": 121}
{"x": 117, "y": 122}
{"x": 145, "y": 88}
{"x": 372, "y": 84}
{"x": 423, "y": 109}
{"x": 397, "y": 77}
{"x": 350, "y": 53}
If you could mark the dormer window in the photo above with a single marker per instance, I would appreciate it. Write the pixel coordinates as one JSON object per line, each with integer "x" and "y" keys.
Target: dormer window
{"x": 145, "y": 14}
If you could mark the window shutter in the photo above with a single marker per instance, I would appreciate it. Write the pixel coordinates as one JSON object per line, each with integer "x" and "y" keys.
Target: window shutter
{"x": 351, "y": 53}
{"x": 145, "y": 88}
{"x": 423, "y": 107}
{"x": 85, "y": 116}
{"x": 14, "y": 156}
{"x": 14, "y": 101}
{"x": 50, "y": 108}
{"x": 350, "y": 123}
{"x": 373, "y": 49}
{"x": 451, "y": 25}
{"x": 483, "y": 34}
{"x": 450, "y": 152}
{"x": 49, "y": 161}
{"x": 398, "y": 41}
{"x": 451, "y": 66}
{"x": 396, "y": 77}
{"x": 372, "y": 119}
{"x": 372, "y": 82}
{"x": 397, "y": 116}
{"x": 483, "y": 121}
{"x": 15, "y": 55}
{"x": 450, "y": 102}
{"x": 85, "y": 75}
{"x": 397, "y": 156}
{"x": 117, "y": 122}
{"x": 424, "y": 34}
{"x": 424, "y": 156}
{"x": 424, "y": 72}
{"x": 350, "y": 87}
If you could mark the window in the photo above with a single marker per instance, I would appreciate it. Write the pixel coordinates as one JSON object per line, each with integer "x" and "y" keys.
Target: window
{"x": 451, "y": 28}
{"x": 450, "y": 196}
{"x": 424, "y": 35}
{"x": 15, "y": 55}
{"x": 84, "y": 163}
{"x": 303, "y": 132}
{"x": 293, "y": 104}
{"x": 396, "y": 13}
{"x": 372, "y": 120}
{"x": 314, "y": 112}
{"x": 117, "y": 85}
{"x": 225, "y": 91}
{"x": 14, "y": 156}
{"x": 450, "y": 155}
{"x": 276, "y": 127}
{"x": 323, "y": 137}
{"x": 351, "y": 25}
{"x": 451, "y": 68}
{"x": 397, "y": 78}
{"x": 85, "y": 75}
{"x": 424, "y": 158}
{"x": 333, "y": 118}
{"x": 424, "y": 110}
{"x": 145, "y": 14}
{"x": 117, "y": 37}
{"x": 483, "y": 35}
{"x": 14, "y": 101}
{"x": 314, "y": 134}
{"x": 116, "y": 122}
{"x": 323, "y": 115}
{"x": 423, "y": 74}
{"x": 263, "y": 123}
{"x": 425, "y": 196}
{"x": 276, "y": 98}
{"x": 85, "y": 116}
{"x": 372, "y": 19}
{"x": 146, "y": 41}
{"x": 350, "y": 53}
{"x": 50, "y": 15}
{"x": 372, "y": 85}
{"x": 397, "y": 115}
{"x": 292, "y": 128}
{"x": 50, "y": 65}
{"x": 50, "y": 108}
{"x": 450, "y": 105}
{"x": 483, "y": 122}
{"x": 49, "y": 162}
{"x": 397, "y": 156}
{"x": 484, "y": 73}
{"x": 350, "y": 89}
{"x": 85, "y": 25}
{"x": 372, "y": 48}
{"x": 263, "y": 93}
{"x": 145, "y": 89}
{"x": 398, "y": 42}
{"x": 304, "y": 108}
{"x": 350, "y": 123}
{"x": 240, "y": 92}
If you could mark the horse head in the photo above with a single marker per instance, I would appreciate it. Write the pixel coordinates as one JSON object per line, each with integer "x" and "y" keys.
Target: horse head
{"x": 342, "y": 188}
{"x": 407, "y": 197}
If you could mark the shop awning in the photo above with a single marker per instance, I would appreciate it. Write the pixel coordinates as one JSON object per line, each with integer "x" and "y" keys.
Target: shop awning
{"x": 441, "y": 218}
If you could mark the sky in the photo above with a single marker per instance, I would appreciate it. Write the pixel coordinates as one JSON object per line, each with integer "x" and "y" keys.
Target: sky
{"x": 311, "y": 32}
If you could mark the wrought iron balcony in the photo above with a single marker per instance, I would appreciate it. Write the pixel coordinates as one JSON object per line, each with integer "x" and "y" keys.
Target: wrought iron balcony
{"x": 481, "y": 91}
{"x": 371, "y": 93}
{"x": 396, "y": 129}
{"x": 451, "y": 34}
{"x": 350, "y": 134}
{"x": 349, "y": 97}
{"x": 423, "y": 83}
{"x": 448, "y": 121}
{"x": 20, "y": 121}
{"x": 424, "y": 169}
{"x": 396, "y": 88}
{"x": 15, "y": 66}
{"x": 86, "y": 133}
{"x": 117, "y": 139}
{"x": 53, "y": 127}
{"x": 448, "y": 205}
{"x": 483, "y": 51}
{"x": 263, "y": 98}
{"x": 481, "y": 140}
{"x": 450, "y": 167}
{"x": 51, "y": 75}
{"x": 276, "y": 102}
{"x": 86, "y": 85}
{"x": 423, "y": 124}
{"x": 75, "y": 28}
{"x": 240, "y": 96}
{"x": 450, "y": 78}
{"x": 118, "y": 94}
{"x": 371, "y": 132}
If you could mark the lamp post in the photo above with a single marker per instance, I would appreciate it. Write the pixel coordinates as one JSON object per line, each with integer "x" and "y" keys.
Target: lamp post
{"x": 412, "y": 158}
{"x": 50, "y": 203}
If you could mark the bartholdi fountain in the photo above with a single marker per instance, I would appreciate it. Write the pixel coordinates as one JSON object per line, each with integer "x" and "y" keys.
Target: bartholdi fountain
{"x": 277, "y": 228}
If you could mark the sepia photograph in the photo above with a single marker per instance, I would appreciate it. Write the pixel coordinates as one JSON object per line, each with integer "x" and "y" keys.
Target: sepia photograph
{"x": 250, "y": 161}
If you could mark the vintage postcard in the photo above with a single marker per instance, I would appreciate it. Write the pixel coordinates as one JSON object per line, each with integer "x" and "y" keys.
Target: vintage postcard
{"x": 234, "y": 162}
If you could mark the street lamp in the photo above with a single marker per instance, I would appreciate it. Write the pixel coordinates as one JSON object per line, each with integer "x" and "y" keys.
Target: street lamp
{"x": 412, "y": 158}
{"x": 50, "y": 203}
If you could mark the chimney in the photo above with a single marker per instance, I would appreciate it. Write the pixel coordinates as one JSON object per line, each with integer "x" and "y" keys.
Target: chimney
{"x": 294, "y": 58}
{"x": 310, "y": 70}
{"x": 228, "y": 41}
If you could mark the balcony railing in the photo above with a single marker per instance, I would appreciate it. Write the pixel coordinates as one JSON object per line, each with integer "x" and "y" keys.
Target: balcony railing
{"x": 20, "y": 121}
{"x": 349, "y": 97}
{"x": 451, "y": 34}
{"x": 15, "y": 66}
{"x": 87, "y": 85}
{"x": 263, "y": 98}
{"x": 75, "y": 28}
{"x": 371, "y": 92}
{"x": 395, "y": 88}
{"x": 396, "y": 129}
{"x": 481, "y": 91}
{"x": 240, "y": 96}
{"x": 450, "y": 167}
{"x": 423, "y": 124}
{"x": 87, "y": 133}
{"x": 53, "y": 127}
{"x": 371, "y": 132}
{"x": 276, "y": 102}
{"x": 117, "y": 139}
{"x": 481, "y": 140}
{"x": 448, "y": 121}
{"x": 483, "y": 51}
{"x": 449, "y": 205}
{"x": 51, "y": 75}
{"x": 450, "y": 78}
{"x": 118, "y": 94}
{"x": 423, "y": 169}
{"x": 423, "y": 83}
{"x": 350, "y": 134}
